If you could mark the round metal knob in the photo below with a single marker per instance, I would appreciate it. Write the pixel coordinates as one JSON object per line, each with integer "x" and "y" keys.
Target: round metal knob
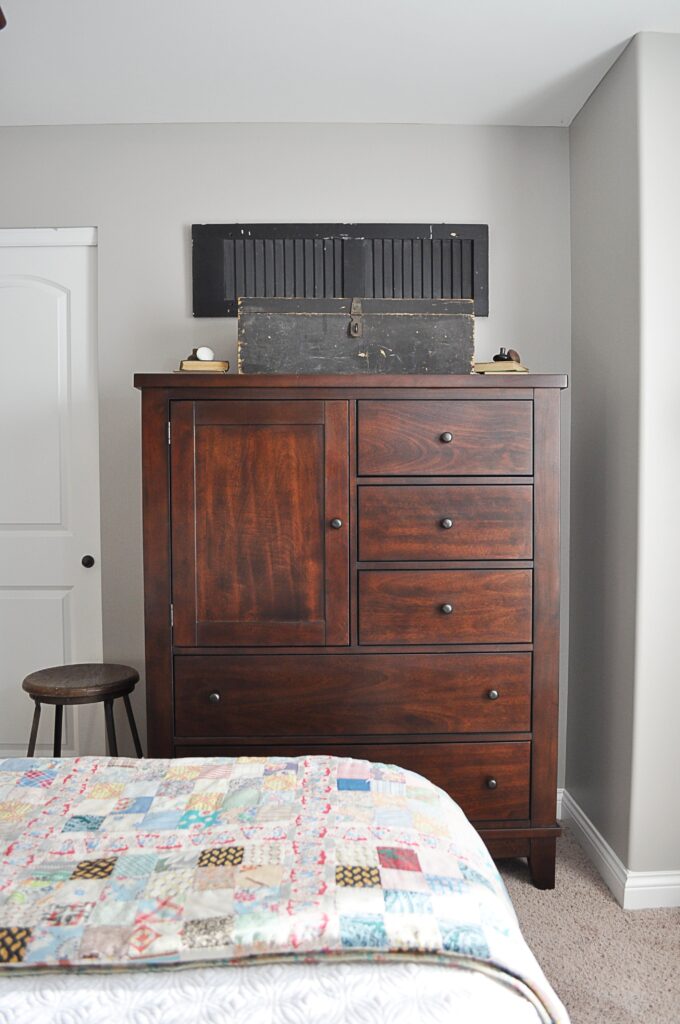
{"x": 447, "y": 609}
{"x": 493, "y": 694}
{"x": 87, "y": 561}
{"x": 446, "y": 524}
{"x": 446, "y": 437}
{"x": 336, "y": 523}
{"x": 491, "y": 783}
{"x": 214, "y": 698}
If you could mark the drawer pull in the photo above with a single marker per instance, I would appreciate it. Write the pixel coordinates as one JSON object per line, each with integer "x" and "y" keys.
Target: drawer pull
{"x": 493, "y": 695}
{"x": 446, "y": 437}
{"x": 214, "y": 698}
{"x": 491, "y": 783}
{"x": 336, "y": 524}
{"x": 446, "y": 524}
{"x": 447, "y": 609}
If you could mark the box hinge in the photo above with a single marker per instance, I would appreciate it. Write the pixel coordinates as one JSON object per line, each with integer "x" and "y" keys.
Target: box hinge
{"x": 172, "y": 616}
{"x": 169, "y": 432}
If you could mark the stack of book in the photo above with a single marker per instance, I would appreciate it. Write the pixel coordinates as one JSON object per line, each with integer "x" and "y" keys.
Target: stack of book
{"x": 503, "y": 366}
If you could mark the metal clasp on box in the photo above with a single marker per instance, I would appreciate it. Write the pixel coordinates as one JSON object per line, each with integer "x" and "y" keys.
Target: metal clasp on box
{"x": 356, "y": 327}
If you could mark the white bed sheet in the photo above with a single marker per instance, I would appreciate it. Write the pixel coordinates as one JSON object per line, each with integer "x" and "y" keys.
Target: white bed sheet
{"x": 342, "y": 993}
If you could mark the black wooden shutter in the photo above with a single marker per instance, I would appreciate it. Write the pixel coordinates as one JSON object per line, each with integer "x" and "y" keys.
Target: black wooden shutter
{"x": 440, "y": 261}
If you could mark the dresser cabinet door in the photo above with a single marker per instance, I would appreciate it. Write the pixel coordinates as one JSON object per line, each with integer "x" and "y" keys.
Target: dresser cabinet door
{"x": 259, "y": 503}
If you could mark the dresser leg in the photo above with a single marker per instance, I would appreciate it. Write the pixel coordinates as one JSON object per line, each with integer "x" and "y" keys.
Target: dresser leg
{"x": 542, "y": 862}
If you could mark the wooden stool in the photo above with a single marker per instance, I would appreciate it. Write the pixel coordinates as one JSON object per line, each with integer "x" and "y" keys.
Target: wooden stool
{"x": 82, "y": 684}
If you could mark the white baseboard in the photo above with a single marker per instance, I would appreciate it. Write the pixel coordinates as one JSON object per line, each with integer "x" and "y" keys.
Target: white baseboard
{"x": 634, "y": 890}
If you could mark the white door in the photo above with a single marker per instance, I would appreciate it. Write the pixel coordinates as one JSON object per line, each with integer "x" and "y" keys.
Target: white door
{"x": 50, "y": 603}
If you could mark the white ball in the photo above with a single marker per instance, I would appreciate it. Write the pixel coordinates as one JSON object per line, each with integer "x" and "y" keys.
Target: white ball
{"x": 204, "y": 353}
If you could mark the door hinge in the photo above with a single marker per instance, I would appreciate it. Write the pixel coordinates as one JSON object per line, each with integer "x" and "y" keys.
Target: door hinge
{"x": 169, "y": 432}
{"x": 172, "y": 615}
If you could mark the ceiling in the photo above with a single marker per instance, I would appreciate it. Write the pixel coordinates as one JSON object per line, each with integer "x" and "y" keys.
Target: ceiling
{"x": 527, "y": 62}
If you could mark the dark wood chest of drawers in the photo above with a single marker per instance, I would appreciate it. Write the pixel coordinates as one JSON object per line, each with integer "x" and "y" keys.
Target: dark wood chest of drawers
{"x": 366, "y": 566}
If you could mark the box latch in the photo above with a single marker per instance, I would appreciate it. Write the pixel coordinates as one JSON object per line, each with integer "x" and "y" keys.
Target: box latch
{"x": 356, "y": 327}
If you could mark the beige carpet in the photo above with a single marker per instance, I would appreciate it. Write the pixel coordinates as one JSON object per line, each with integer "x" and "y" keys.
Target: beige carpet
{"x": 608, "y": 965}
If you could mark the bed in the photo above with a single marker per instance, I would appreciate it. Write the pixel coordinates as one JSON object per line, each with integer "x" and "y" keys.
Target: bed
{"x": 269, "y": 889}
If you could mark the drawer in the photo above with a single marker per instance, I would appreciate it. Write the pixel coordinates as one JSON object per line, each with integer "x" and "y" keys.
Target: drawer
{"x": 467, "y": 771}
{"x": 442, "y": 438}
{"x": 445, "y": 606}
{"x": 336, "y": 695}
{"x": 428, "y": 522}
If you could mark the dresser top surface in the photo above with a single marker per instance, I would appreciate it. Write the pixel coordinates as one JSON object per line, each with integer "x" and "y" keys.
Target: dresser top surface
{"x": 201, "y": 381}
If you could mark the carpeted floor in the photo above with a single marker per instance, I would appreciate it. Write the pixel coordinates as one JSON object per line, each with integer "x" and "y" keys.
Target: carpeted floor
{"x": 608, "y": 965}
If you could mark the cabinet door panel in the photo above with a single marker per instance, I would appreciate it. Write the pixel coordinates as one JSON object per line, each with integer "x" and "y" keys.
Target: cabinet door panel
{"x": 253, "y": 550}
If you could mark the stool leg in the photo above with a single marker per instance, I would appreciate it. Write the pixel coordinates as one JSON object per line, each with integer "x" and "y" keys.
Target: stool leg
{"x": 58, "y": 715}
{"x": 34, "y": 730}
{"x": 133, "y": 727}
{"x": 110, "y": 728}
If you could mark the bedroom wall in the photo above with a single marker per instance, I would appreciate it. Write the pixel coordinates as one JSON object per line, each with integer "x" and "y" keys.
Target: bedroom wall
{"x": 605, "y": 419}
{"x": 143, "y": 186}
{"x": 623, "y": 757}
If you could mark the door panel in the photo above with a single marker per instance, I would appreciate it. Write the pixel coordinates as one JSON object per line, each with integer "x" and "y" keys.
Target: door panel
{"x": 255, "y": 558}
{"x": 50, "y": 605}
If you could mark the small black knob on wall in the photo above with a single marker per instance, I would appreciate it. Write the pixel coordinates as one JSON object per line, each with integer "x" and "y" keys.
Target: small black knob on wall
{"x": 87, "y": 561}
{"x": 214, "y": 698}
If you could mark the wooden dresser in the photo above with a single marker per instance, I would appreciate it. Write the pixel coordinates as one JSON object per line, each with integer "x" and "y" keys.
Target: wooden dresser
{"x": 366, "y": 566}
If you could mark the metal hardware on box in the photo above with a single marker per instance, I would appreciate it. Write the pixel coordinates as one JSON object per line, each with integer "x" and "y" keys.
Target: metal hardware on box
{"x": 446, "y": 437}
{"x": 447, "y": 609}
{"x": 492, "y": 694}
{"x": 491, "y": 783}
{"x": 214, "y": 698}
{"x": 336, "y": 523}
{"x": 446, "y": 524}
{"x": 356, "y": 328}
{"x": 87, "y": 561}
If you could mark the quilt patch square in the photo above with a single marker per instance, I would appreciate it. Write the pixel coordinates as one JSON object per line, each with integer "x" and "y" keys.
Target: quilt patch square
{"x": 206, "y": 933}
{"x": 218, "y": 856}
{"x": 398, "y": 858}
{"x": 401, "y": 901}
{"x": 366, "y": 932}
{"x": 102, "y": 867}
{"x": 133, "y": 805}
{"x": 355, "y": 785}
{"x": 36, "y": 777}
{"x": 104, "y": 942}
{"x": 135, "y": 865}
{"x": 467, "y": 940}
{"x": 13, "y": 943}
{"x": 83, "y": 823}
{"x": 356, "y": 875}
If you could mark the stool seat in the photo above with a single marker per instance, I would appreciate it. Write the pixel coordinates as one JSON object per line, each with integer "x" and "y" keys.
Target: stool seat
{"x": 82, "y": 684}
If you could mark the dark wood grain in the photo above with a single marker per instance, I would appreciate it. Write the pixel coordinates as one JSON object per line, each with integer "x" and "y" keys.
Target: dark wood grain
{"x": 335, "y": 695}
{"x": 80, "y": 684}
{"x": 489, "y": 606}
{"x": 157, "y": 571}
{"x": 462, "y": 769}
{"x": 400, "y": 438}
{"x": 525, "y": 382}
{"x": 546, "y": 610}
{"x": 405, "y": 523}
{"x": 336, "y": 490}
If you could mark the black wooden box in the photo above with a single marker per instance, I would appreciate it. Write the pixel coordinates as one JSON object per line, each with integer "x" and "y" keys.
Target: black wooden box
{"x": 355, "y": 335}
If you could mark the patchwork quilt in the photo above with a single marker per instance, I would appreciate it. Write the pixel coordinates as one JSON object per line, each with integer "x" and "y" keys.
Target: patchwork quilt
{"x": 109, "y": 863}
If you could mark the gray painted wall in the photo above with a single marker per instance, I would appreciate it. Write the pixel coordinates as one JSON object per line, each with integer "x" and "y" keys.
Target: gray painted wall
{"x": 604, "y": 441}
{"x": 623, "y": 758}
{"x": 143, "y": 186}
